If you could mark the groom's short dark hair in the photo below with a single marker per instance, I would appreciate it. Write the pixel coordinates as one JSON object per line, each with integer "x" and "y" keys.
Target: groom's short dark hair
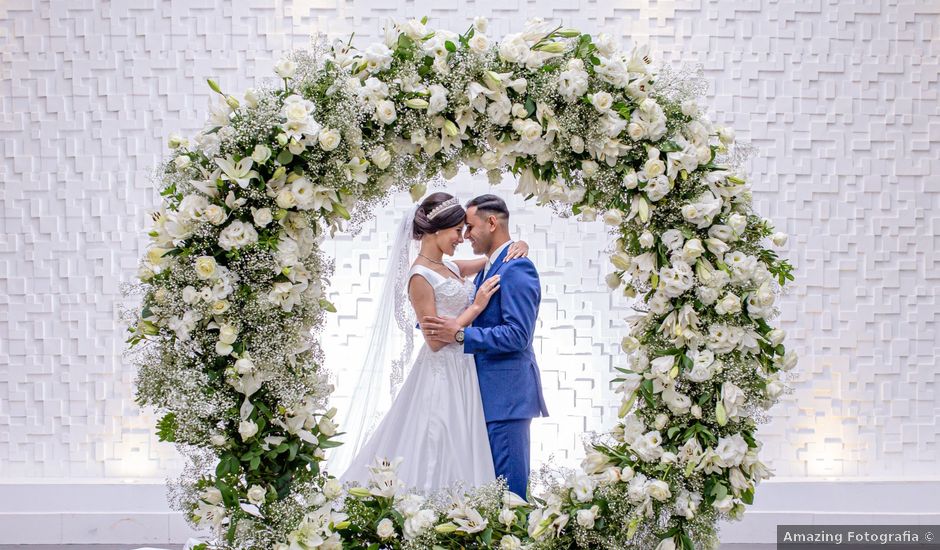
{"x": 490, "y": 205}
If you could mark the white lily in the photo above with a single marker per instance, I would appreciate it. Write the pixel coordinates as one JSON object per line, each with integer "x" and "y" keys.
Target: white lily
{"x": 240, "y": 172}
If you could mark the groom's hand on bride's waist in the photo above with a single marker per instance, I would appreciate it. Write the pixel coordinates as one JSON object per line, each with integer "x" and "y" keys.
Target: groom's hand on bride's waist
{"x": 441, "y": 329}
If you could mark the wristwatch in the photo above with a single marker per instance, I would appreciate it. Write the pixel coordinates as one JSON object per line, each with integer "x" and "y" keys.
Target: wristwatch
{"x": 459, "y": 336}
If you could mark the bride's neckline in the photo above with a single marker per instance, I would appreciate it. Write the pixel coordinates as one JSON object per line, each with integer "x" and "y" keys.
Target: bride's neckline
{"x": 450, "y": 272}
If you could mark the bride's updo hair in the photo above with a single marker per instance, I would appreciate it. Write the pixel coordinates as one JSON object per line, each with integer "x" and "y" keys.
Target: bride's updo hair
{"x": 438, "y": 211}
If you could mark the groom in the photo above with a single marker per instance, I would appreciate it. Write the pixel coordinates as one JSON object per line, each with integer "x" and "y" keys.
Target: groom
{"x": 500, "y": 340}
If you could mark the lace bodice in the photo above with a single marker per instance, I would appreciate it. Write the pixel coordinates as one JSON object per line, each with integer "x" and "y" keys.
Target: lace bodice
{"x": 451, "y": 295}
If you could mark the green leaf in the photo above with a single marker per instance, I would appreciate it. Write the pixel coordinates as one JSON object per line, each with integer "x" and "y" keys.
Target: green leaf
{"x": 166, "y": 428}
{"x": 341, "y": 210}
{"x": 284, "y": 157}
{"x": 450, "y": 46}
{"x": 327, "y": 305}
{"x": 668, "y": 146}
{"x": 530, "y": 107}
{"x": 747, "y": 497}
{"x": 487, "y": 536}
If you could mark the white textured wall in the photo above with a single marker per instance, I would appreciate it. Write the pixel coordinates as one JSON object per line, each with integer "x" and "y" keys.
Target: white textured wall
{"x": 840, "y": 97}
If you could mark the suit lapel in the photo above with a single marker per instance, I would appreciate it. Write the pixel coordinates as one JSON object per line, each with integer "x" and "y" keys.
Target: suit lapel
{"x": 498, "y": 263}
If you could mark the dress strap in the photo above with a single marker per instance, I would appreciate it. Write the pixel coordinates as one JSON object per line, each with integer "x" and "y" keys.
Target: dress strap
{"x": 453, "y": 267}
{"x": 429, "y": 275}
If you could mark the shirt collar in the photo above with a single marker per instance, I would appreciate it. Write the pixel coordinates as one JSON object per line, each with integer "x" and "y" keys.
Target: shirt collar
{"x": 496, "y": 253}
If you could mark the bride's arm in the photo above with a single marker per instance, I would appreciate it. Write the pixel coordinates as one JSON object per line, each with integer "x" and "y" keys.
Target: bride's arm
{"x": 518, "y": 249}
{"x": 471, "y": 267}
{"x": 422, "y": 299}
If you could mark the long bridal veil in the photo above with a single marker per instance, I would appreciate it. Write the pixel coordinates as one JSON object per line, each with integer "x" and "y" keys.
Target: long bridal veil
{"x": 387, "y": 357}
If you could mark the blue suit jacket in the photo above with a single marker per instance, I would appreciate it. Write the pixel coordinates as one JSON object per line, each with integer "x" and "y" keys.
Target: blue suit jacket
{"x": 501, "y": 341}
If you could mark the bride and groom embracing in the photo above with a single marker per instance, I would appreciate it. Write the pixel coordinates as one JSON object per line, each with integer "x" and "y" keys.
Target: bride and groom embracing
{"x": 462, "y": 415}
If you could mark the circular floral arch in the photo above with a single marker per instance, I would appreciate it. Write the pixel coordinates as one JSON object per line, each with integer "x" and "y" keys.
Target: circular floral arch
{"x": 227, "y": 344}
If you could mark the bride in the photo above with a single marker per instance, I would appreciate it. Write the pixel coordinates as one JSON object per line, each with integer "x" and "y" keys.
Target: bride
{"x": 435, "y": 424}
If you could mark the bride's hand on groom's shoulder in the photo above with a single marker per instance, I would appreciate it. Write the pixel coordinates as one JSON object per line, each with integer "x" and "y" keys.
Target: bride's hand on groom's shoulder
{"x": 518, "y": 249}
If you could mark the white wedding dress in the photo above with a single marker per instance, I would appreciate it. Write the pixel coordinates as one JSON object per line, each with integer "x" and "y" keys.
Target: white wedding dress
{"x": 436, "y": 422}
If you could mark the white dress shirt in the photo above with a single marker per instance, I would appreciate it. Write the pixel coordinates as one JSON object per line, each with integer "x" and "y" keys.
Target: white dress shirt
{"x": 496, "y": 253}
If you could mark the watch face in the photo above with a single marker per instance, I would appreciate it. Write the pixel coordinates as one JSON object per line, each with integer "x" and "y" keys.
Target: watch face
{"x": 459, "y": 336}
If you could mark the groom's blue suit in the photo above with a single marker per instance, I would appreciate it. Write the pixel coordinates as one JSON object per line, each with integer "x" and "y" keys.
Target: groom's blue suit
{"x": 501, "y": 341}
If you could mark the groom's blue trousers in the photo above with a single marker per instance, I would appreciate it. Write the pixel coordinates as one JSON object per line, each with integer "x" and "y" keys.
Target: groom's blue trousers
{"x": 509, "y": 443}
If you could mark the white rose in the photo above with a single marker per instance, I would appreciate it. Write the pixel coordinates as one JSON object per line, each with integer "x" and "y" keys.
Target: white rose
{"x": 602, "y": 101}
{"x": 510, "y": 542}
{"x": 414, "y": 28}
{"x": 576, "y": 195}
{"x": 285, "y": 199}
{"x": 660, "y": 421}
{"x": 228, "y": 333}
{"x": 613, "y": 217}
{"x": 329, "y": 139}
{"x": 507, "y": 516}
{"x": 588, "y": 214}
{"x": 480, "y": 24}
{"x": 237, "y": 235}
{"x": 218, "y": 440}
{"x": 247, "y": 429}
{"x": 479, "y": 43}
{"x": 589, "y": 167}
{"x": 385, "y": 111}
{"x": 630, "y": 180}
{"x": 774, "y": 388}
{"x": 219, "y": 307}
{"x": 381, "y": 158}
{"x": 256, "y": 494}
{"x": 647, "y": 240}
{"x": 690, "y": 108}
{"x": 214, "y": 214}
{"x": 776, "y": 336}
{"x": 667, "y": 544}
{"x": 659, "y": 490}
{"x": 729, "y": 304}
{"x": 586, "y": 518}
{"x": 205, "y": 267}
{"x": 261, "y": 153}
{"x": 654, "y": 167}
{"x": 385, "y": 529}
{"x": 285, "y": 68}
{"x": 693, "y": 249}
{"x": 262, "y": 216}
{"x": 530, "y": 130}
{"x": 577, "y": 144}
{"x": 636, "y": 131}
{"x": 182, "y": 162}
{"x": 779, "y": 239}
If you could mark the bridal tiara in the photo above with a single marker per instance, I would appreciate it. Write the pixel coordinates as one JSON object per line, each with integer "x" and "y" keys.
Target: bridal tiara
{"x": 446, "y": 205}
